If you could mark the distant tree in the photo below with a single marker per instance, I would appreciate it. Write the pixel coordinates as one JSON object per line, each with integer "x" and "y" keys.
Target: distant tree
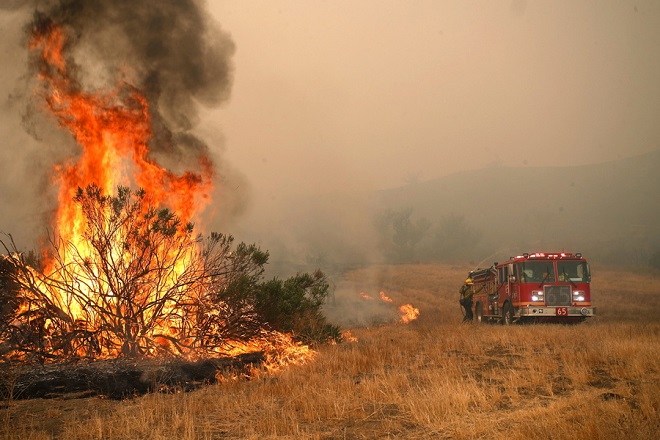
{"x": 654, "y": 261}
{"x": 401, "y": 234}
{"x": 454, "y": 238}
{"x": 412, "y": 178}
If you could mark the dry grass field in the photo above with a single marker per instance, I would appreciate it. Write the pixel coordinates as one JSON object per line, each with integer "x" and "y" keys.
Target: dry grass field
{"x": 432, "y": 378}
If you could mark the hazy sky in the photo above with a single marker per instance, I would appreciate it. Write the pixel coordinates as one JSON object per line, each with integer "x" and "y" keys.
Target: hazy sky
{"x": 343, "y": 94}
{"x": 338, "y": 95}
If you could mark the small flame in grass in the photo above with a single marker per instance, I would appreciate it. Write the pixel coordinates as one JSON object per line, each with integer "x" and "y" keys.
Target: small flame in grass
{"x": 385, "y": 297}
{"x": 347, "y": 336}
{"x": 284, "y": 351}
{"x": 365, "y": 296}
{"x": 279, "y": 350}
{"x": 408, "y": 313}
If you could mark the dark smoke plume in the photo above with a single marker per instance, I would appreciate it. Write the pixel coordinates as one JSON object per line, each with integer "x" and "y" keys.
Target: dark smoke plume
{"x": 169, "y": 49}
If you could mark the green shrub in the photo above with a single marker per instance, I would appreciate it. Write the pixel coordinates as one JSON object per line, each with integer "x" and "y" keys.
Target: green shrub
{"x": 294, "y": 305}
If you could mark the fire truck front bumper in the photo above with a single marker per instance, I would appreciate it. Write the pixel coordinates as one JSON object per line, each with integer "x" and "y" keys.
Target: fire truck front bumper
{"x": 558, "y": 312}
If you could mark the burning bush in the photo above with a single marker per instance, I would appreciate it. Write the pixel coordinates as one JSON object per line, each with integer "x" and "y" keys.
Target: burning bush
{"x": 125, "y": 275}
{"x": 138, "y": 282}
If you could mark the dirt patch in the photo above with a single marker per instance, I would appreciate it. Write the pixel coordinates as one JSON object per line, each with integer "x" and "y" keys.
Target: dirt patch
{"x": 602, "y": 378}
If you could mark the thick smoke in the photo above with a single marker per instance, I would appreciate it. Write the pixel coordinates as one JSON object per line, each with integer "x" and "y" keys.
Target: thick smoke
{"x": 169, "y": 49}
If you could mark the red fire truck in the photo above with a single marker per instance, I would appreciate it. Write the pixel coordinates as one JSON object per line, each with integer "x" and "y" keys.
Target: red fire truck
{"x": 539, "y": 286}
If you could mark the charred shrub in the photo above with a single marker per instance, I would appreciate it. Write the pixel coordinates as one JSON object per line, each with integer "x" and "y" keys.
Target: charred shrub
{"x": 401, "y": 234}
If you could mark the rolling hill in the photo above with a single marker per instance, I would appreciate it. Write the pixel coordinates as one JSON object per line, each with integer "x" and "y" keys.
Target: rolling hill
{"x": 608, "y": 211}
{"x": 610, "y": 208}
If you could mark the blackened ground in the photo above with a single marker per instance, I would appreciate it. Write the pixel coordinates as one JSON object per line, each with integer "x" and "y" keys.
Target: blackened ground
{"x": 117, "y": 378}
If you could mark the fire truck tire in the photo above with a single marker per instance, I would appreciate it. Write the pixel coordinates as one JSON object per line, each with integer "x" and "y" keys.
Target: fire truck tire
{"x": 507, "y": 314}
{"x": 479, "y": 313}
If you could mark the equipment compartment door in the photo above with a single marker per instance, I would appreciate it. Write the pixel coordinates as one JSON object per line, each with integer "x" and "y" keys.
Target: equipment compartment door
{"x": 503, "y": 284}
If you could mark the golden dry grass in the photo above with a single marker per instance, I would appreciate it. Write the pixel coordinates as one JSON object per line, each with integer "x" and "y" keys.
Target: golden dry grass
{"x": 433, "y": 378}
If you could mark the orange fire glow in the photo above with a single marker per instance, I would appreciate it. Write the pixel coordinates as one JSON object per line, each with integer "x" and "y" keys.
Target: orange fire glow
{"x": 347, "y": 336}
{"x": 279, "y": 350}
{"x": 408, "y": 313}
{"x": 365, "y": 296}
{"x": 385, "y": 297}
{"x": 113, "y": 130}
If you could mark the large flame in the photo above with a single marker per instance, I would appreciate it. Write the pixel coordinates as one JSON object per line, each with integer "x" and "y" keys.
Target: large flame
{"x": 113, "y": 129}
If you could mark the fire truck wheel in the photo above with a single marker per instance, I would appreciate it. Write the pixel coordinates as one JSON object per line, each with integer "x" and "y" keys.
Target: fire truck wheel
{"x": 479, "y": 313}
{"x": 507, "y": 314}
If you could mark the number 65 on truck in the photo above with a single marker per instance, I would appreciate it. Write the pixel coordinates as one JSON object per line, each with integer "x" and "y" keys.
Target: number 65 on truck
{"x": 533, "y": 286}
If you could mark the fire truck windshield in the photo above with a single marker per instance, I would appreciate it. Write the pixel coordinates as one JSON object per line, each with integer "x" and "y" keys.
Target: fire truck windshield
{"x": 573, "y": 271}
{"x": 537, "y": 272}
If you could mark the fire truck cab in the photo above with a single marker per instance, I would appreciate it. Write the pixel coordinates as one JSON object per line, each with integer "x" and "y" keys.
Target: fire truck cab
{"x": 538, "y": 286}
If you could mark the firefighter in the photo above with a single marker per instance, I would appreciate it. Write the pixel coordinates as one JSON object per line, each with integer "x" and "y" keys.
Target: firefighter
{"x": 466, "y": 292}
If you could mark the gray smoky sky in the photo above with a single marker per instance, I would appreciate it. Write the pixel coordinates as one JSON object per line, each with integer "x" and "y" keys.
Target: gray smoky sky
{"x": 371, "y": 94}
{"x": 343, "y": 96}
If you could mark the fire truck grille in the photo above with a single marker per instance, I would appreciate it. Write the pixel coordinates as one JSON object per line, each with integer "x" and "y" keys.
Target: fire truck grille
{"x": 557, "y": 295}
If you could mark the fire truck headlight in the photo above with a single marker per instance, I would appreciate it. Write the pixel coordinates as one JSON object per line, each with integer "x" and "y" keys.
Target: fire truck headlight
{"x": 578, "y": 295}
{"x": 537, "y": 295}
